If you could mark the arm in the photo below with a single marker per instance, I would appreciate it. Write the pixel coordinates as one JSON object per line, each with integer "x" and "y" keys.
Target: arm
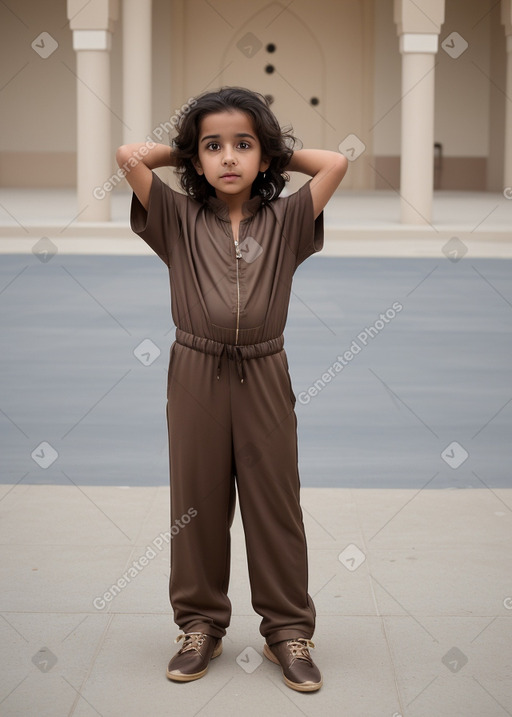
{"x": 327, "y": 169}
{"x": 137, "y": 160}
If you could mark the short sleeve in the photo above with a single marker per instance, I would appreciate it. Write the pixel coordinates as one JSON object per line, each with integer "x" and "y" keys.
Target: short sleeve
{"x": 303, "y": 233}
{"x": 160, "y": 225}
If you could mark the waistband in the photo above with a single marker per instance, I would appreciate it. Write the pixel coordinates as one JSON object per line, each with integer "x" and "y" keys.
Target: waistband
{"x": 233, "y": 352}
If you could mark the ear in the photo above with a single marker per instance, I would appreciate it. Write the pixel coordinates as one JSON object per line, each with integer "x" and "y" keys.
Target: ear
{"x": 264, "y": 165}
{"x": 197, "y": 166}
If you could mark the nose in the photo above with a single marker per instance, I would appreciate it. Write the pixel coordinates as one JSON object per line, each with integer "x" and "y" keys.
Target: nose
{"x": 229, "y": 155}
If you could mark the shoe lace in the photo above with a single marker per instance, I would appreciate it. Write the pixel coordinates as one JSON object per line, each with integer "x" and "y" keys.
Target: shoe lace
{"x": 300, "y": 649}
{"x": 191, "y": 641}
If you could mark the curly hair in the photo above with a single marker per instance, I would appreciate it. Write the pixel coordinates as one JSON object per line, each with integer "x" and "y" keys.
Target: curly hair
{"x": 276, "y": 143}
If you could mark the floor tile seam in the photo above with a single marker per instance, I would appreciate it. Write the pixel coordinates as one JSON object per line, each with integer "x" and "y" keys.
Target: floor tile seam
{"x": 67, "y": 544}
{"x": 99, "y": 647}
{"x": 234, "y": 613}
{"x": 96, "y": 613}
{"x": 366, "y": 553}
{"x": 394, "y": 667}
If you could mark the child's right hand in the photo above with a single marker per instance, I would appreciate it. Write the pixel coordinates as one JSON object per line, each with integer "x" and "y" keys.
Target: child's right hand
{"x": 137, "y": 160}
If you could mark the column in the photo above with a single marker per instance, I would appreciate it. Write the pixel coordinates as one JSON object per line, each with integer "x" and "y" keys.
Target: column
{"x": 418, "y": 24}
{"x": 92, "y": 26}
{"x": 137, "y": 75}
{"x": 417, "y": 139}
{"x": 506, "y": 18}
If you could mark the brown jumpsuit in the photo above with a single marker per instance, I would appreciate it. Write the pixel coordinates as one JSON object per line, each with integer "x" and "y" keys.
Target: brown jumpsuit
{"x": 230, "y": 407}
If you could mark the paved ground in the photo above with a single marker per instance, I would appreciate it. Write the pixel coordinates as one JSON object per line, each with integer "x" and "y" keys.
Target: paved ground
{"x": 405, "y": 457}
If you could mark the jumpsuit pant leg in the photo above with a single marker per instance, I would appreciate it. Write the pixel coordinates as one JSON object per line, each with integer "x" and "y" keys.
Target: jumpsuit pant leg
{"x": 202, "y": 487}
{"x": 218, "y": 428}
{"x": 265, "y": 450}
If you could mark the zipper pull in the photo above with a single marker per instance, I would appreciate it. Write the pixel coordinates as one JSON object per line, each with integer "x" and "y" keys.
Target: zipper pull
{"x": 237, "y": 250}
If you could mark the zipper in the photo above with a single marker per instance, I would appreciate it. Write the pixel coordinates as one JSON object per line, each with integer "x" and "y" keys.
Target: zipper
{"x": 238, "y": 254}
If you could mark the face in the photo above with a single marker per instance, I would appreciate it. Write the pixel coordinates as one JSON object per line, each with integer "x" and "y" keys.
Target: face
{"x": 229, "y": 154}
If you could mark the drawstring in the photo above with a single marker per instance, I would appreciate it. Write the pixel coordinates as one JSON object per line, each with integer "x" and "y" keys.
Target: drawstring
{"x": 239, "y": 362}
{"x": 220, "y": 360}
{"x": 234, "y": 352}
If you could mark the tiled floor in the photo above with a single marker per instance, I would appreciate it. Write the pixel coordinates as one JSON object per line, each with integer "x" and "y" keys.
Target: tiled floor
{"x": 412, "y": 590}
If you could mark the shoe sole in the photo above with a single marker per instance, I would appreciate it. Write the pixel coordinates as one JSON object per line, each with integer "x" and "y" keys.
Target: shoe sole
{"x": 293, "y": 685}
{"x": 195, "y": 675}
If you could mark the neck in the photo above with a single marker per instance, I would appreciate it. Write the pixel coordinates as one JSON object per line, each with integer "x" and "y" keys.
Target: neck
{"x": 235, "y": 201}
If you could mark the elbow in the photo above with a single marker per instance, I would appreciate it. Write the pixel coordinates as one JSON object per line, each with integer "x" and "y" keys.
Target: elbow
{"x": 336, "y": 168}
{"x": 340, "y": 165}
{"x": 123, "y": 154}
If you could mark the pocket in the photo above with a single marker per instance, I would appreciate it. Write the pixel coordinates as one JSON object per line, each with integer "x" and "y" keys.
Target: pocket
{"x": 169, "y": 370}
{"x": 284, "y": 362}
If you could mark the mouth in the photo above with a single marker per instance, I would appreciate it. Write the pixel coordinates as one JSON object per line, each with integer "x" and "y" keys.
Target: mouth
{"x": 230, "y": 175}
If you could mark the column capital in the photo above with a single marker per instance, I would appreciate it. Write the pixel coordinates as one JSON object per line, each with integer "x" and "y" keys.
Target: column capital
{"x": 419, "y": 16}
{"x": 94, "y": 15}
{"x": 419, "y": 42}
{"x": 92, "y": 40}
{"x": 506, "y": 17}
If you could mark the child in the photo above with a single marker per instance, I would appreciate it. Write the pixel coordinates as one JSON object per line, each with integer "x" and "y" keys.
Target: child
{"x": 232, "y": 247}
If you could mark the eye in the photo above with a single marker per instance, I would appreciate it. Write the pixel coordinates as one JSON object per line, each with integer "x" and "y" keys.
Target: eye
{"x": 244, "y": 145}
{"x": 213, "y": 146}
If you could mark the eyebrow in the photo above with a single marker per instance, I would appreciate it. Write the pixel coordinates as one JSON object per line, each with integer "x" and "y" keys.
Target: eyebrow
{"x": 217, "y": 136}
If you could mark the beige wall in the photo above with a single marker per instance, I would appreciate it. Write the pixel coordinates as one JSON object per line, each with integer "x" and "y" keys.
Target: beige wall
{"x": 497, "y": 101}
{"x": 345, "y": 53}
{"x": 36, "y": 111}
{"x": 387, "y": 88}
{"x": 462, "y": 84}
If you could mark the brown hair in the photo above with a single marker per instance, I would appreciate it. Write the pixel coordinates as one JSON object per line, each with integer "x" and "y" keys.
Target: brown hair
{"x": 276, "y": 143}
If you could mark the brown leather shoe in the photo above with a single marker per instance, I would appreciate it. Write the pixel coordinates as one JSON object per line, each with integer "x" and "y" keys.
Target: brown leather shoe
{"x": 299, "y": 671}
{"x": 192, "y": 659}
